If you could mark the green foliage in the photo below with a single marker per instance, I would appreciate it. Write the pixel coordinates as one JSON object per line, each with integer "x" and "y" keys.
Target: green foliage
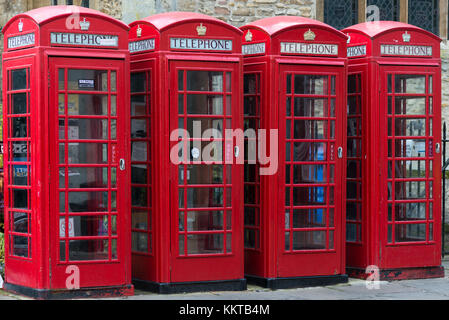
{"x": 2, "y": 255}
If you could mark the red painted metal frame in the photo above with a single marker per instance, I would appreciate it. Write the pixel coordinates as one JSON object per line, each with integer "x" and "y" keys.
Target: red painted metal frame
{"x": 40, "y": 274}
{"x": 270, "y": 261}
{"x": 395, "y": 260}
{"x": 164, "y": 266}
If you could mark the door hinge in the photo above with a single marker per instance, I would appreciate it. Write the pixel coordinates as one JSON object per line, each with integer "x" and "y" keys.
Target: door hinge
{"x": 48, "y": 80}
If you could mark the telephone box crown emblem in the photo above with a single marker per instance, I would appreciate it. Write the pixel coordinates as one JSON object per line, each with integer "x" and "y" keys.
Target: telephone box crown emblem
{"x": 249, "y": 36}
{"x": 406, "y": 36}
{"x": 309, "y": 35}
{"x": 139, "y": 31}
{"x": 201, "y": 30}
{"x": 20, "y": 25}
{"x": 84, "y": 25}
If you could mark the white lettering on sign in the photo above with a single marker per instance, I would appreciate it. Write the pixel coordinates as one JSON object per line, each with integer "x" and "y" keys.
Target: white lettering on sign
{"x": 143, "y": 45}
{"x": 404, "y": 50}
{"x": 356, "y": 51}
{"x": 309, "y": 48}
{"x": 200, "y": 44}
{"x": 83, "y": 39}
{"x": 21, "y": 41}
{"x": 255, "y": 48}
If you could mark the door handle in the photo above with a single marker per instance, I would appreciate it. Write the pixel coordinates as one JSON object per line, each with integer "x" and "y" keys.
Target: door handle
{"x": 236, "y": 152}
{"x": 340, "y": 152}
{"x": 437, "y": 148}
{"x": 122, "y": 164}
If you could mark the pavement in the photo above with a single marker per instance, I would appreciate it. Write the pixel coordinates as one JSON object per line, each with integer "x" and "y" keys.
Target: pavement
{"x": 355, "y": 289}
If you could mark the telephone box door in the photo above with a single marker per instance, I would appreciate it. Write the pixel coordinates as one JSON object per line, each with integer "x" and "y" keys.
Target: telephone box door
{"x": 206, "y": 188}
{"x": 88, "y": 217}
{"x": 311, "y": 140}
{"x": 410, "y": 184}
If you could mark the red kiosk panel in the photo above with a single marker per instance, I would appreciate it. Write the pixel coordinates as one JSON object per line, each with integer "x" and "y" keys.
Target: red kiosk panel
{"x": 295, "y": 87}
{"x": 393, "y": 81}
{"x": 66, "y": 105}
{"x": 193, "y": 192}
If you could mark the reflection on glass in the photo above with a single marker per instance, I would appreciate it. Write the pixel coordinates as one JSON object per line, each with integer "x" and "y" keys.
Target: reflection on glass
{"x": 309, "y": 174}
{"x": 305, "y": 196}
{"x": 309, "y": 129}
{"x": 410, "y": 190}
{"x": 311, "y": 84}
{"x": 204, "y": 104}
{"x": 205, "y": 244}
{"x": 410, "y": 211}
{"x": 410, "y": 106}
{"x": 82, "y": 250}
{"x": 309, "y": 240}
{"x": 87, "y": 80}
{"x": 85, "y": 177}
{"x": 203, "y": 174}
{"x": 410, "y": 232}
{"x": 88, "y": 129}
{"x": 204, "y": 220}
{"x": 205, "y": 81}
{"x": 309, "y": 151}
{"x": 19, "y": 103}
{"x": 19, "y": 79}
{"x": 87, "y": 105}
{"x": 85, "y": 153}
{"x": 84, "y": 226}
{"x": 309, "y": 218}
{"x": 410, "y": 83}
{"x": 204, "y": 197}
{"x": 139, "y": 242}
{"x": 410, "y": 127}
{"x": 307, "y": 107}
{"x": 410, "y": 148}
{"x": 139, "y": 219}
{"x": 91, "y": 201}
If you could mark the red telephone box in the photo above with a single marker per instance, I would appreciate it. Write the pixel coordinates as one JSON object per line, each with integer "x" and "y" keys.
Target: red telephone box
{"x": 295, "y": 83}
{"x": 393, "y": 217}
{"x": 65, "y": 103}
{"x": 187, "y": 184}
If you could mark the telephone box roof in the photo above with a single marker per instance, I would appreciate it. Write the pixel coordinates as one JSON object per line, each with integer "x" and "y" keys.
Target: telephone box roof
{"x": 166, "y": 20}
{"x": 375, "y": 29}
{"x": 44, "y": 15}
{"x": 274, "y": 25}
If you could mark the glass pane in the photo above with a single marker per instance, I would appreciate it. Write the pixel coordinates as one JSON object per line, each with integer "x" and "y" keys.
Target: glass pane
{"x": 205, "y": 104}
{"x": 197, "y": 128}
{"x": 351, "y": 232}
{"x": 138, "y": 105}
{"x": 309, "y": 174}
{"x": 19, "y": 103}
{"x": 204, "y": 197}
{"x": 91, "y": 201}
{"x": 410, "y": 169}
{"x": 19, "y": 222}
{"x": 410, "y": 190}
{"x": 139, "y": 219}
{"x": 204, "y": 220}
{"x": 19, "y": 79}
{"x": 19, "y": 199}
{"x": 83, "y": 153}
{"x": 18, "y": 127}
{"x": 353, "y": 80}
{"x": 309, "y": 240}
{"x": 139, "y": 242}
{"x": 84, "y": 226}
{"x": 139, "y": 197}
{"x": 410, "y": 106}
{"x": 309, "y": 129}
{"x": 410, "y": 127}
{"x": 113, "y": 105}
{"x": 87, "y": 80}
{"x": 205, "y": 81}
{"x": 19, "y": 151}
{"x": 139, "y": 151}
{"x": 88, "y": 129}
{"x": 139, "y": 174}
{"x": 410, "y": 211}
{"x": 304, "y": 196}
{"x": 204, "y": 174}
{"x": 250, "y": 216}
{"x": 250, "y": 238}
{"x": 410, "y": 148}
{"x": 87, "y": 105}
{"x": 20, "y": 246}
{"x": 81, "y": 250}
{"x": 307, "y": 107}
{"x": 139, "y": 128}
{"x": 410, "y": 232}
{"x": 205, "y": 243}
{"x": 309, "y": 218}
{"x": 80, "y": 178}
{"x": 309, "y": 151}
{"x": 113, "y": 81}
{"x": 410, "y": 83}
{"x": 311, "y": 84}
{"x": 250, "y": 84}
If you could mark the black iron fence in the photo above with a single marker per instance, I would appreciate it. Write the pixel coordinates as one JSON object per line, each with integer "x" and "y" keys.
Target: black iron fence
{"x": 445, "y": 227}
